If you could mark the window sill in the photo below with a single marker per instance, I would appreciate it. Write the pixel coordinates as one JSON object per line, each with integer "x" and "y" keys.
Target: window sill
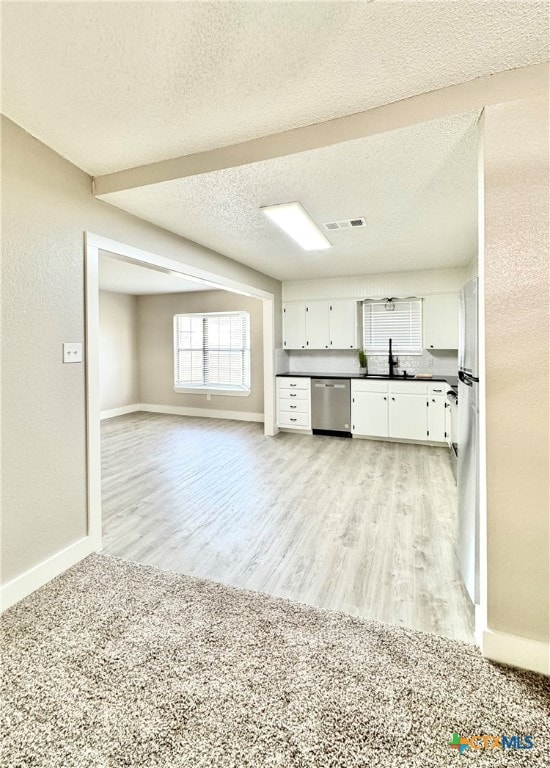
{"x": 212, "y": 391}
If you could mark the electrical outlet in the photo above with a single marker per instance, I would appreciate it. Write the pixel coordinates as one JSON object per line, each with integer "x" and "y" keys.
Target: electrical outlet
{"x": 72, "y": 352}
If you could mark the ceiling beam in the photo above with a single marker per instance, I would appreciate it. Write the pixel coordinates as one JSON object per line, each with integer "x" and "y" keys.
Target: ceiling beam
{"x": 455, "y": 99}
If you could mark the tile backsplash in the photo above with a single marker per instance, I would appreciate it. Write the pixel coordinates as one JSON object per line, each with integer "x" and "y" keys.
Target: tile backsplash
{"x": 438, "y": 362}
{"x": 322, "y": 361}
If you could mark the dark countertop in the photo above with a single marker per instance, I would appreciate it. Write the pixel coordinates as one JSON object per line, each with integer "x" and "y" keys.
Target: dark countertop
{"x": 451, "y": 380}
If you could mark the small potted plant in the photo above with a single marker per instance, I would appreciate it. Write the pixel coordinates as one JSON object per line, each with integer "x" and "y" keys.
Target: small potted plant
{"x": 363, "y": 368}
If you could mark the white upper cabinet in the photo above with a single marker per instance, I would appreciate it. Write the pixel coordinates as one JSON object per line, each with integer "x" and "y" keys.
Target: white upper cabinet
{"x": 343, "y": 325}
{"x": 294, "y": 325}
{"x": 440, "y": 320}
{"x": 320, "y": 325}
{"x": 317, "y": 325}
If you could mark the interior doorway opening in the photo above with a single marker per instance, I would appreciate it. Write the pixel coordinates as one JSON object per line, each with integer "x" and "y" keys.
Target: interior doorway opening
{"x": 167, "y": 272}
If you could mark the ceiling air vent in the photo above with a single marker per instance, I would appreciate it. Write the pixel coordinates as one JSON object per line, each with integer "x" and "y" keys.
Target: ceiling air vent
{"x": 345, "y": 224}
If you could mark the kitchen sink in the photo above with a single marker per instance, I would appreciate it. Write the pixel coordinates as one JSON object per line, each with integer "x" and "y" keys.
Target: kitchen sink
{"x": 386, "y": 376}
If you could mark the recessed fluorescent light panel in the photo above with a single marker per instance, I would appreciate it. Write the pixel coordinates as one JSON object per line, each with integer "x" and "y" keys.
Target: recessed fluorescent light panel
{"x": 293, "y": 220}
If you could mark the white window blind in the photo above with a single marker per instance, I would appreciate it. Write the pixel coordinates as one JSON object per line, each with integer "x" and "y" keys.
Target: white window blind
{"x": 212, "y": 350}
{"x": 403, "y": 325}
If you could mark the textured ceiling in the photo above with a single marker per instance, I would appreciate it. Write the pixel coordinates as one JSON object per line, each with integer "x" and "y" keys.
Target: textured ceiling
{"x": 416, "y": 187}
{"x": 114, "y": 85}
{"x": 124, "y": 277}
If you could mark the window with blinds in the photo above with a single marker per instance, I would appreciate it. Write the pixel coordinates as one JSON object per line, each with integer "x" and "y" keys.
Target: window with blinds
{"x": 212, "y": 351}
{"x": 402, "y": 324}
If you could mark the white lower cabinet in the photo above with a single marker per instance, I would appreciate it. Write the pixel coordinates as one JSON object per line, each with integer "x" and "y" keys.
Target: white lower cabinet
{"x": 402, "y": 410}
{"x": 439, "y": 413}
{"x": 448, "y": 423}
{"x": 369, "y": 414}
{"x": 369, "y": 407}
{"x": 408, "y": 419}
{"x": 294, "y": 402}
{"x": 436, "y": 419}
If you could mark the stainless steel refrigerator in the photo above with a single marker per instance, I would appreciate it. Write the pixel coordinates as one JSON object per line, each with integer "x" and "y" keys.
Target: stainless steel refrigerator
{"x": 468, "y": 439}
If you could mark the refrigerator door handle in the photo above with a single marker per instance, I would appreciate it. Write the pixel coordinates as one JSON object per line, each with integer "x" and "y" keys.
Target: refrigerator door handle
{"x": 465, "y": 379}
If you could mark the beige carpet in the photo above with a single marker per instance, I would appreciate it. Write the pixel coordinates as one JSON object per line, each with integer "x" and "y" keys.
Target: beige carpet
{"x": 117, "y": 664}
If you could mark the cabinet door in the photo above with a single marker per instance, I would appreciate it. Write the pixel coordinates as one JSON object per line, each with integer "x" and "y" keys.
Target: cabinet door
{"x": 369, "y": 414}
{"x": 317, "y": 325}
{"x": 343, "y": 324}
{"x": 294, "y": 325}
{"x": 408, "y": 417}
{"x": 436, "y": 419}
{"x": 448, "y": 425}
{"x": 440, "y": 320}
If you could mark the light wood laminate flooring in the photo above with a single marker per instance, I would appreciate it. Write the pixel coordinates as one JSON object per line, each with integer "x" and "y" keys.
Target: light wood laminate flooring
{"x": 366, "y": 527}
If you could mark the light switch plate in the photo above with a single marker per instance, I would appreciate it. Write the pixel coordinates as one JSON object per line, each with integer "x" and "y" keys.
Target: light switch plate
{"x": 72, "y": 352}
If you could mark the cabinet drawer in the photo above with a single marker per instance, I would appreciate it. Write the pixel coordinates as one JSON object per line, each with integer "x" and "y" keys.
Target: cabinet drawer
{"x": 438, "y": 388}
{"x": 298, "y": 406}
{"x": 294, "y": 394}
{"x": 408, "y": 387}
{"x": 368, "y": 385}
{"x": 289, "y": 419}
{"x": 289, "y": 382}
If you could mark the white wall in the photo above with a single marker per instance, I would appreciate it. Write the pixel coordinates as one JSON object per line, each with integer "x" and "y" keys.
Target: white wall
{"x": 118, "y": 350}
{"x": 516, "y": 267}
{"x": 472, "y": 270}
{"x": 156, "y": 349}
{"x": 414, "y": 283}
{"x": 47, "y": 205}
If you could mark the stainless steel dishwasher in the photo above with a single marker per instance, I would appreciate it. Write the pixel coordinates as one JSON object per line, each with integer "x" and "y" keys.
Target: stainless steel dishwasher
{"x": 330, "y": 407}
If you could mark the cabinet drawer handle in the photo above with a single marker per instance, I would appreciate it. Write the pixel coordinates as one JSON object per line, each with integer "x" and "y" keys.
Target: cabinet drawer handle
{"x": 292, "y": 385}
{"x": 293, "y": 419}
{"x": 292, "y": 394}
{"x": 293, "y": 406}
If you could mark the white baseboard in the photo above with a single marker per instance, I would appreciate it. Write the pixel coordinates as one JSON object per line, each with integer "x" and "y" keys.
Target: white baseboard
{"x": 516, "y": 651}
{"x": 180, "y": 410}
{"x": 36, "y": 577}
{"x": 480, "y": 624}
{"x": 120, "y": 411}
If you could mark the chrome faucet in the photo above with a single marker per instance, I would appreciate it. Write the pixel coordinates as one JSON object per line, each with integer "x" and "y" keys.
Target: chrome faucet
{"x": 393, "y": 362}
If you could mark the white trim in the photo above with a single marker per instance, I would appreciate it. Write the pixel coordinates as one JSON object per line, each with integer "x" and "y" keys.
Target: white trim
{"x": 481, "y": 609}
{"x": 41, "y": 574}
{"x": 220, "y": 391}
{"x": 480, "y": 623}
{"x": 268, "y": 324}
{"x": 161, "y": 263}
{"x": 93, "y": 407}
{"x": 516, "y": 651}
{"x": 119, "y": 411}
{"x": 95, "y": 243}
{"x": 181, "y": 410}
{"x": 381, "y": 439}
